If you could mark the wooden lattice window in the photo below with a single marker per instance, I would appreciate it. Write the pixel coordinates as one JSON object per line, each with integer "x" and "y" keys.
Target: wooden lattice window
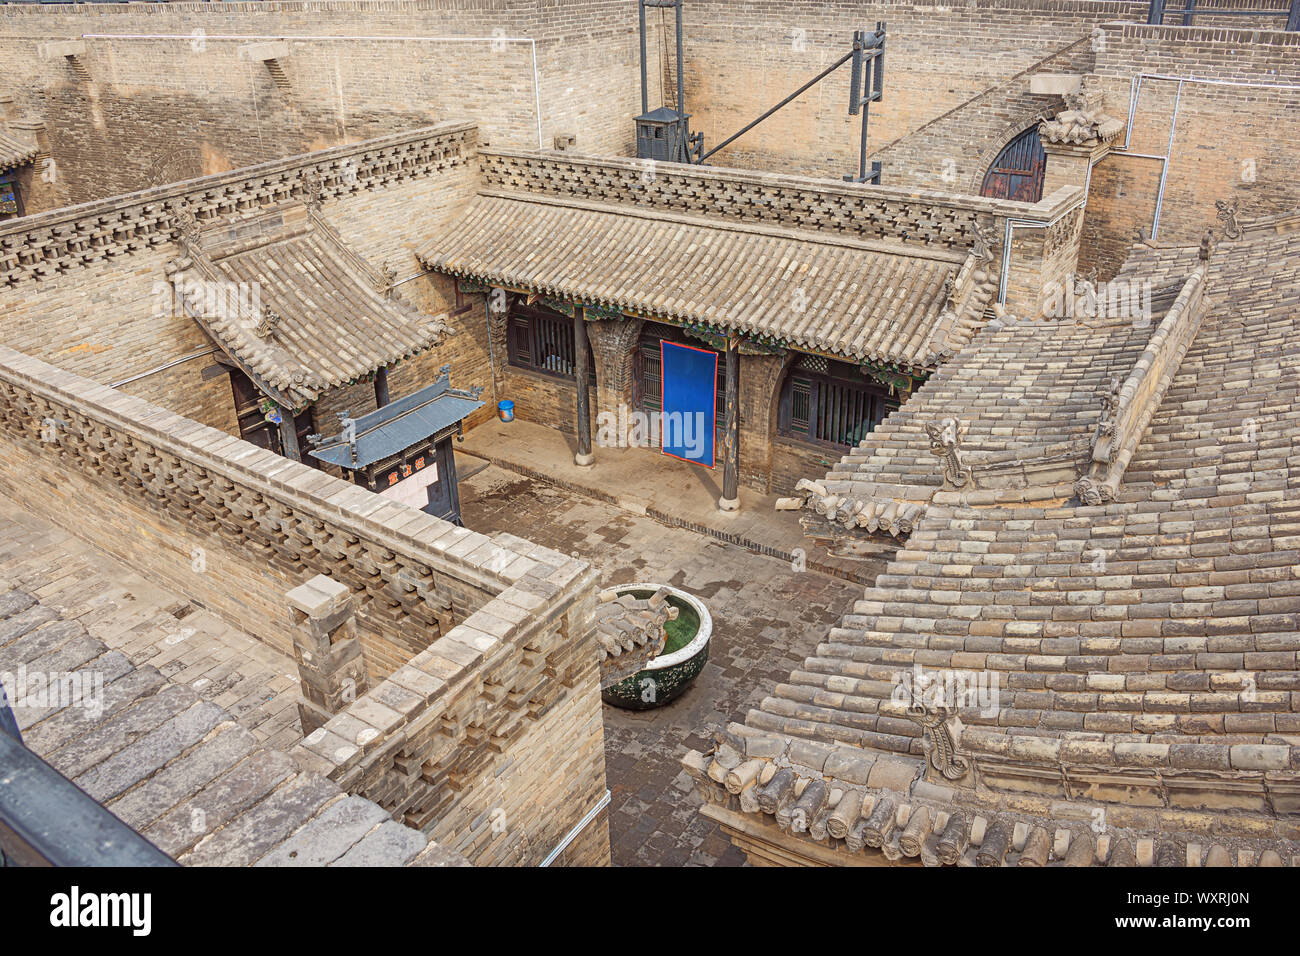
{"x": 830, "y": 403}
{"x": 541, "y": 341}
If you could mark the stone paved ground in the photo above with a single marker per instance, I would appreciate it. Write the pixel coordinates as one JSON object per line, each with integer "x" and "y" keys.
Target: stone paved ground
{"x": 254, "y": 683}
{"x": 767, "y": 618}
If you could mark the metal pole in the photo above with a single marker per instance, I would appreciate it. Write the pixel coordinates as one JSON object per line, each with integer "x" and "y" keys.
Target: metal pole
{"x": 381, "y": 386}
{"x": 584, "y": 458}
{"x": 785, "y": 102}
{"x": 645, "y": 76}
{"x": 1156, "y": 12}
{"x": 683, "y": 145}
{"x": 1293, "y": 18}
{"x": 730, "y": 500}
{"x": 866, "y": 112}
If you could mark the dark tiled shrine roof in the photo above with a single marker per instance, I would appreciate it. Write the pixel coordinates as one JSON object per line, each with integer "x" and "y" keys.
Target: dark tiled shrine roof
{"x": 180, "y": 770}
{"x": 15, "y": 151}
{"x": 335, "y": 323}
{"x": 860, "y": 300}
{"x": 400, "y": 424}
{"x": 1145, "y": 649}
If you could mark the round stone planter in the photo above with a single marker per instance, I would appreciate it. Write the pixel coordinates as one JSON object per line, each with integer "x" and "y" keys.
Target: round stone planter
{"x": 666, "y": 677}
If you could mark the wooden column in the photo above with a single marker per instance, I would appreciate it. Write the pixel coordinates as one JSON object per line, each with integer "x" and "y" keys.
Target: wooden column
{"x": 289, "y": 435}
{"x": 730, "y": 500}
{"x": 584, "y": 458}
{"x": 381, "y": 386}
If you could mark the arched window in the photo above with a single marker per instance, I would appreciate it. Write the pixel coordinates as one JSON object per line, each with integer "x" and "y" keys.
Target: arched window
{"x": 830, "y": 403}
{"x": 1017, "y": 173}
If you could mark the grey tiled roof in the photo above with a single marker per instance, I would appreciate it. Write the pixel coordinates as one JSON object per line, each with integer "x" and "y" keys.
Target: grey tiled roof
{"x": 1147, "y": 650}
{"x": 1029, "y": 405}
{"x": 15, "y": 151}
{"x": 860, "y": 300}
{"x": 335, "y": 324}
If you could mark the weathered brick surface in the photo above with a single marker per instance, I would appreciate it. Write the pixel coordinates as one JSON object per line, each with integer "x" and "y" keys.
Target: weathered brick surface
{"x": 168, "y": 95}
{"x": 1232, "y": 141}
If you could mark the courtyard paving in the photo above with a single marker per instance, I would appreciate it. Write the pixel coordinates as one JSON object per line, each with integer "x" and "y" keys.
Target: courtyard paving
{"x": 767, "y": 618}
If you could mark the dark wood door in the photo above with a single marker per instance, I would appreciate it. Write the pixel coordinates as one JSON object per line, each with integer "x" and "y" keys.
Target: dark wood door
{"x": 1017, "y": 173}
{"x": 444, "y": 497}
{"x": 253, "y": 426}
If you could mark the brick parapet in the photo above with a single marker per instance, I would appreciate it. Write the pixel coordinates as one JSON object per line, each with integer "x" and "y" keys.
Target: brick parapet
{"x": 52, "y": 243}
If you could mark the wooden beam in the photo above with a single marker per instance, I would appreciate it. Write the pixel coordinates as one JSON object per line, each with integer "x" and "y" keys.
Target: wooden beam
{"x": 730, "y": 500}
{"x": 584, "y": 458}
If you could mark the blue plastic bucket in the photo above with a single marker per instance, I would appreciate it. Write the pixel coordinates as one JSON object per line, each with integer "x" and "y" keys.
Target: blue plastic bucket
{"x": 506, "y": 410}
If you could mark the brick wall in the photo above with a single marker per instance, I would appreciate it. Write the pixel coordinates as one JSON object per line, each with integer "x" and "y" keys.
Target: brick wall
{"x": 954, "y": 151}
{"x": 745, "y": 57}
{"x": 167, "y": 95}
{"x": 489, "y": 735}
{"x": 1230, "y": 142}
{"x": 98, "y": 303}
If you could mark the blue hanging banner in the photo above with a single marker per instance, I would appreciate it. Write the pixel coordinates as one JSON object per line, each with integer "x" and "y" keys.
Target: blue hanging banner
{"x": 690, "y": 394}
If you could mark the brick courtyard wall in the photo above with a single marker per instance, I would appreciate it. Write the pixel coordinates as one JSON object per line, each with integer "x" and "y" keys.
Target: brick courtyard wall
{"x": 85, "y": 288}
{"x": 481, "y": 653}
{"x": 1232, "y": 141}
{"x": 954, "y": 151}
{"x": 495, "y": 721}
{"x": 745, "y": 56}
{"x": 549, "y": 401}
{"x": 167, "y": 95}
{"x": 159, "y": 491}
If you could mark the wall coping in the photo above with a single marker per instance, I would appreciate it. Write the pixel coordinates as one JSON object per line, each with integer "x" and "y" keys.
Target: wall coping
{"x": 140, "y": 200}
{"x": 516, "y": 8}
{"x": 1204, "y": 34}
{"x": 1045, "y": 208}
{"x": 480, "y": 561}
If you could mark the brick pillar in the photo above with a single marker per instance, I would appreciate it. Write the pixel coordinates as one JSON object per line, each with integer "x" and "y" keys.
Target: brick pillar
{"x": 613, "y": 342}
{"x": 1068, "y": 163}
{"x": 327, "y": 649}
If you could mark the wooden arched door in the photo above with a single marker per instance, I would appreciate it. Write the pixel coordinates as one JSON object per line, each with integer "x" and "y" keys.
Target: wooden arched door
{"x": 1018, "y": 171}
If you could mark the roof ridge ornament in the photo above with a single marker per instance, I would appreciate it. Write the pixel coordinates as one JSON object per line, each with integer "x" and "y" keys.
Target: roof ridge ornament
{"x": 387, "y": 279}
{"x": 1207, "y": 246}
{"x": 268, "y": 323}
{"x": 187, "y": 224}
{"x": 313, "y": 189}
{"x": 937, "y": 739}
{"x": 982, "y": 247}
{"x": 1227, "y": 213}
{"x": 945, "y": 439}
